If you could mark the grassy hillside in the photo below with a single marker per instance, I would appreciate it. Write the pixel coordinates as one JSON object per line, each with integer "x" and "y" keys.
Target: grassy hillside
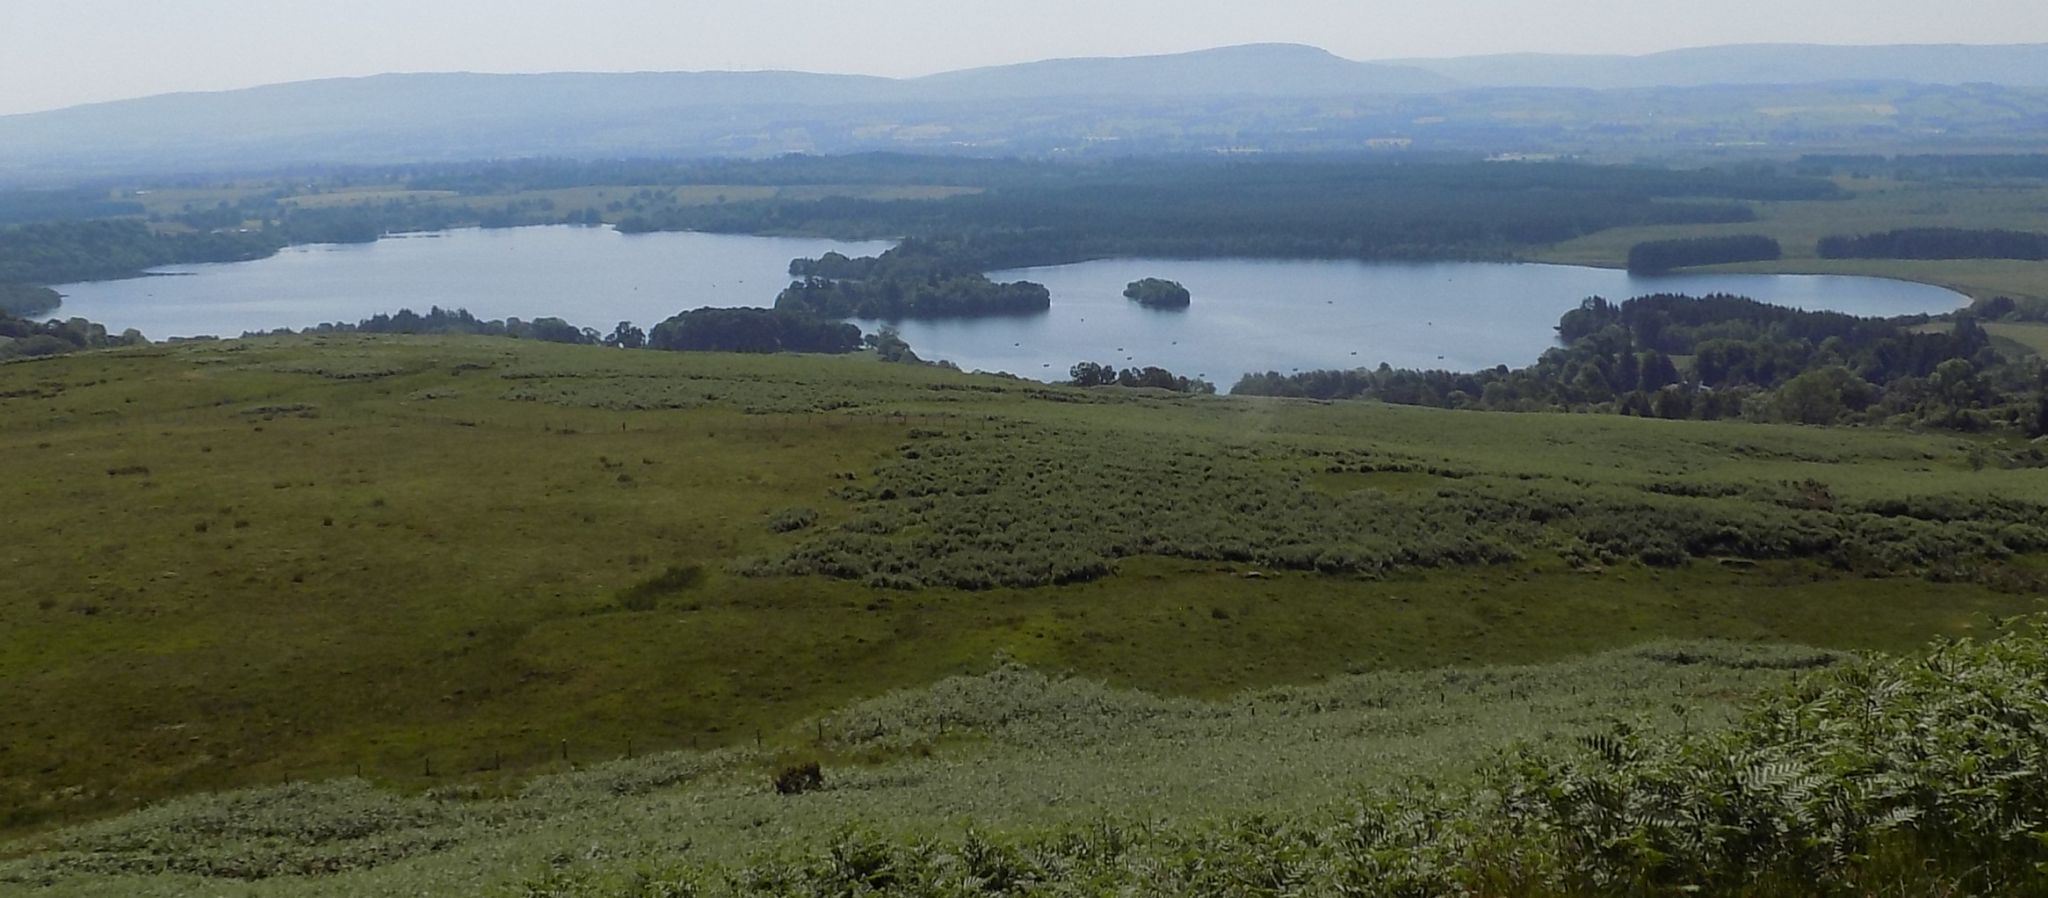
{"x": 1012, "y": 750}
{"x": 465, "y": 560}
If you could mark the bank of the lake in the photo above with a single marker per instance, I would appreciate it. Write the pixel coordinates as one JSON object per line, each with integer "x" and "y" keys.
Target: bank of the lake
{"x": 1247, "y": 315}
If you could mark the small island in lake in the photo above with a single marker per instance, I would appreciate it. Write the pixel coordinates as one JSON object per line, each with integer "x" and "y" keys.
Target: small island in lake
{"x": 1155, "y": 293}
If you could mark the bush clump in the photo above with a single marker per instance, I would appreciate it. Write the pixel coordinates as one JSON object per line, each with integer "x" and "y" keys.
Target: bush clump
{"x": 790, "y": 519}
{"x": 798, "y": 778}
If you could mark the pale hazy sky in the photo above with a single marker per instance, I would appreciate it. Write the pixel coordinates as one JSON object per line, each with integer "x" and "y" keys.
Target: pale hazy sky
{"x": 62, "y": 52}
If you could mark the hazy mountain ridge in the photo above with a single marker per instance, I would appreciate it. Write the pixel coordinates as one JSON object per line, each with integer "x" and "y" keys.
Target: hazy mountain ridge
{"x": 1222, "y": 99}
{"x": 1272, "y": 70}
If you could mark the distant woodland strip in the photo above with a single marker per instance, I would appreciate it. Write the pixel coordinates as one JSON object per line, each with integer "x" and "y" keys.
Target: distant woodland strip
{"x": 1666, "y": 255}
{"x": 1938, "y": 243}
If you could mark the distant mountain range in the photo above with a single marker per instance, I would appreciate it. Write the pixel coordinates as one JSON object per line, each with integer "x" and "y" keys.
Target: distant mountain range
{"x": 1207, "y": 100}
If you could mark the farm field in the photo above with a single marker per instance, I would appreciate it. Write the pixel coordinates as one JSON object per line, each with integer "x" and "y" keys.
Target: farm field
{"x": 1872, "y": 205}
{"x": 438, "y": 561}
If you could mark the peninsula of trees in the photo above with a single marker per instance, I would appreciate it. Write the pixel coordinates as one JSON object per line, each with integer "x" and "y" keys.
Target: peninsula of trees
{"x": 22, "y": 301}
{"x": 1720, "y": 356}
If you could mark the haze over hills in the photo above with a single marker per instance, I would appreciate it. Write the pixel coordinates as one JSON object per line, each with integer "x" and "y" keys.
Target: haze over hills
{"x": 2014, "y": 65}
{"x": 1222, "y": 99}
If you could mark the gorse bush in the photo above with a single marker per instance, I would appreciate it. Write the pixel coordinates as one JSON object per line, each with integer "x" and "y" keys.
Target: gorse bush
{"x": 1034, "y": 507}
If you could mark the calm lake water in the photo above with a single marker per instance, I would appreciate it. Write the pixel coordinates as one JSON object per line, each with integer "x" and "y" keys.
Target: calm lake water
{"x": 1246, "y": 316}
{"x": 593, "y": 277}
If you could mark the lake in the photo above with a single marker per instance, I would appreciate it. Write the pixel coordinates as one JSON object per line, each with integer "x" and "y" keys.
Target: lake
{"x": 594, "y": 277}
{"x": 1247, "y": 315}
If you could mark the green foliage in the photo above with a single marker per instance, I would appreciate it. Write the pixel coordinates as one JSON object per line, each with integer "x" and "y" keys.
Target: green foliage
{"x": 1906, "y": 776}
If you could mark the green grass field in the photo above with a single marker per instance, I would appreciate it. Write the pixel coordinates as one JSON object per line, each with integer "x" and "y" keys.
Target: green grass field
{"x": 292, "y": 559}
{"x": 1872, "y": 205}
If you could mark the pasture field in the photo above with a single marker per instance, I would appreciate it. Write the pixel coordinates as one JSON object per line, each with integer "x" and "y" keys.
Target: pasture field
{"x": 282, "y": 559}
{"x": 2028, "y": 336}
{"x": 1872, "y": 205}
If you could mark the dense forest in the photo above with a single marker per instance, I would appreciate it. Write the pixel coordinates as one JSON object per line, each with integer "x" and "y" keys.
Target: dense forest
{"x": 1937, "y": 243}
{"x": 916, "y": 279}
{"x": 1723, "y": 357}
{"x": 1296, "y": 208}
{"x": 1658, "y": 256}
{"x": 1928, "y": 167}
{"x": 63, "y": 251}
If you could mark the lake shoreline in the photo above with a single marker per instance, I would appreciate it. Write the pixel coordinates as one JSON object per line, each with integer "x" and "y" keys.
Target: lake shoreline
{"x": 1247, "y": 315}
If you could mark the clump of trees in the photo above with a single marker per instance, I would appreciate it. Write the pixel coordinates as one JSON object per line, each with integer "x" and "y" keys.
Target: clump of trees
{"x": 22, "y": 338}
{"x": 1156, "y": 293}
{"x": 753, "y": 330}
{"x": 701, "y": 330}
{"x": 1741, "y": 358}
{"x": 889, "y": 346}
{"x": 917, "y": 279}
{"x": 1937, "y": 243}
{"x": 1090, "y": 374}
{"x": 438, "y": 320}
{"x": 1656, "y": 256}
